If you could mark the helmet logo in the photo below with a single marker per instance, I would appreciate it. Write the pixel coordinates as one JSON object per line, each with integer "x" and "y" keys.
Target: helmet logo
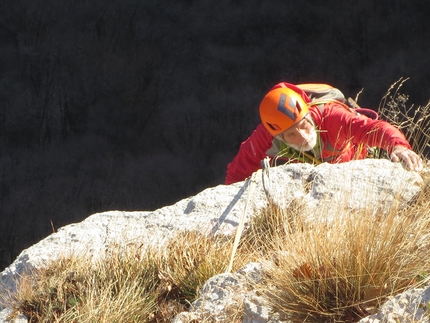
{"x": 289, "y": 109}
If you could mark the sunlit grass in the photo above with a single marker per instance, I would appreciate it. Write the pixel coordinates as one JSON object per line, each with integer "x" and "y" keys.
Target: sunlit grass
{"x": 127, "y": 284}
{"x": 344, "y": 271}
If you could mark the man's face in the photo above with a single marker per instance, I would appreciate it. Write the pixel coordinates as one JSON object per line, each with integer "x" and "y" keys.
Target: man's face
{"x": 302, "y": 136}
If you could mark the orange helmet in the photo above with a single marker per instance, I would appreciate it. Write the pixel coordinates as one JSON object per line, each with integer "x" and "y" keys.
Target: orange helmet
{"x": 282, "y": 108}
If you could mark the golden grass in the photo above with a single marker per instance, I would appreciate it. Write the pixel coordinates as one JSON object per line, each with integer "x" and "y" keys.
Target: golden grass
{"x": 127, "y": 284}
{"x": 344, "y": 271}
{"x": 120, "y": 287}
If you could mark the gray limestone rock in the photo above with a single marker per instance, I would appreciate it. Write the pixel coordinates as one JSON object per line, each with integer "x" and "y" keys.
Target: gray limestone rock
{"x": 375, "y": 184}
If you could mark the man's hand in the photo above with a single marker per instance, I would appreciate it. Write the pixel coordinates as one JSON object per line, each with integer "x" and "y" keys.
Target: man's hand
{"x": 410, "y": 158}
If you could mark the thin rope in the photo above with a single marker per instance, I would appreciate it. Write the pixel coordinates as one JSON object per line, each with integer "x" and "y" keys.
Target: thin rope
{"x": 251, "y": 182}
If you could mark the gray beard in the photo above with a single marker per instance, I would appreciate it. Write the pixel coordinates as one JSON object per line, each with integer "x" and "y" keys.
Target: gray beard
{"x": 302, "y": 148}
{"x": 310, "y": 140}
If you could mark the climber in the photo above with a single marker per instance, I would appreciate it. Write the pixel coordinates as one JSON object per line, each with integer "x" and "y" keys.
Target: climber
{"x": 295, "y": 128}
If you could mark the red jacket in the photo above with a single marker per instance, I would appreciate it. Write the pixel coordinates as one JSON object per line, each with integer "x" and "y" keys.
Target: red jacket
{"x": 341, "y": 132}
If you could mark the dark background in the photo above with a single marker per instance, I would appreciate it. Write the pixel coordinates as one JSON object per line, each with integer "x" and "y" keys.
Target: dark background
{"x": 136, "y": 104}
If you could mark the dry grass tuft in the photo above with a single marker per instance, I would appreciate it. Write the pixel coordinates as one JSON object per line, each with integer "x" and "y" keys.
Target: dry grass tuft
{"x": 127, "y": 284}
{"x": 269, "y": 228}
{"x": 343, "y": 271}
{"x": 119, "y": 287}
{"x": 191, "y": 259}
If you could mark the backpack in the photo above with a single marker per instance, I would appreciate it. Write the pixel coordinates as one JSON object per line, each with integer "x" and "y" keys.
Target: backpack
{"x": 324, "y": 93}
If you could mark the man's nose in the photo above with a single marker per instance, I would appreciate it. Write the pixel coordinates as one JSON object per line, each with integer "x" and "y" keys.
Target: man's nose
{"x": 302, "y": 133}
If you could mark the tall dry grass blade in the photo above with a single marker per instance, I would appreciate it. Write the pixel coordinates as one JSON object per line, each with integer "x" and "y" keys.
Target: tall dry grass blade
{"x": 413, "y": 121}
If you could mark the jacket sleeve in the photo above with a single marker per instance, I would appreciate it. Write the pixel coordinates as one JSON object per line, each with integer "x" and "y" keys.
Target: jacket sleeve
{"x": 251, "y": 152}
{"x": 360, "y": 129}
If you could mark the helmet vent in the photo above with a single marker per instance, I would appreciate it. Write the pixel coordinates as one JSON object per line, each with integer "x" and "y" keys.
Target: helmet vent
{"x": 274, "y": 127}
{"x": 298, "y": 106}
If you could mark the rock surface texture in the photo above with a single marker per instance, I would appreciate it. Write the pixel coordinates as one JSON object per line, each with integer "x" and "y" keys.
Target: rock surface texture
{"x": 218, "y": 210}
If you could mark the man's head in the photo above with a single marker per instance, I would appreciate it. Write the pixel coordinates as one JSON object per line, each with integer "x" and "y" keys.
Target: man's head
{"x": 302, "y": 136}
{"x": 285, "y": 114}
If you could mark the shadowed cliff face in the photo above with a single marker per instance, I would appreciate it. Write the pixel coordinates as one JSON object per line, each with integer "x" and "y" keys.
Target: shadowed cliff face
{"x": 133, "y": 105}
